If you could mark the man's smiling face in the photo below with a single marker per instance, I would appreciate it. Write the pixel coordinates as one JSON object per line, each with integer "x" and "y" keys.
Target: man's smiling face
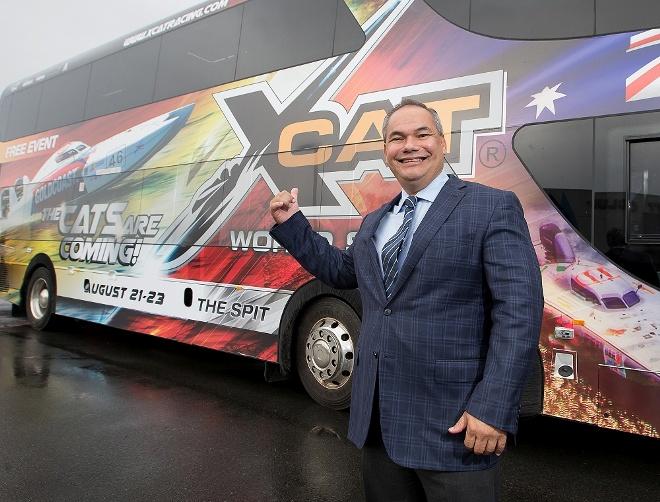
{"x": 414, "y": 148}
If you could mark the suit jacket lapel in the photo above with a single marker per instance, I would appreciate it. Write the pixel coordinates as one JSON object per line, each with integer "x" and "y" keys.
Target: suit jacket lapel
{"x": 444, "y": 204}
{"x": 370, "y": 227}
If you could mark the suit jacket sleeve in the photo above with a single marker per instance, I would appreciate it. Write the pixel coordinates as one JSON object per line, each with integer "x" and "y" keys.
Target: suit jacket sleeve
{"x": 516, "y": 307}
{"x": 330, "y": 264}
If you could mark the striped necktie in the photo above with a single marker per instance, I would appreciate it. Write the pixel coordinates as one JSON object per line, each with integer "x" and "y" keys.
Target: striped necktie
{"x": 392, "y": 248}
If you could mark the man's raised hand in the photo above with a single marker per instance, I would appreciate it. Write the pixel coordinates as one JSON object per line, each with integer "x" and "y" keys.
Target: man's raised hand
{"x": 284, "y": 205}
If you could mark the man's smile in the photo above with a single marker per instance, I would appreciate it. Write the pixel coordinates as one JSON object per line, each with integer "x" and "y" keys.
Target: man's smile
{"x": 412, "y": 160}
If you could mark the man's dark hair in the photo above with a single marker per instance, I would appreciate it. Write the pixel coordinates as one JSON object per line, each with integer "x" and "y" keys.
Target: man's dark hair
{"x": 412, "y": 102}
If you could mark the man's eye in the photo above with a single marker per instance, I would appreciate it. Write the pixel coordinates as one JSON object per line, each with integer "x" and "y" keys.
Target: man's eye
{"x": 423, "y": 135}
{"x": 395, "y": 139}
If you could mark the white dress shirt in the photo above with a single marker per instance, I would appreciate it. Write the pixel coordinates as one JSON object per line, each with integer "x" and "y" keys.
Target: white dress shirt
{"x": 393, "y": 219}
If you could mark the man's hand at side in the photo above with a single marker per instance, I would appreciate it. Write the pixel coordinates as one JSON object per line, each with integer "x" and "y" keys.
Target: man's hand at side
{"x": 481, "y": 438}
{"x": 284, "y": 205}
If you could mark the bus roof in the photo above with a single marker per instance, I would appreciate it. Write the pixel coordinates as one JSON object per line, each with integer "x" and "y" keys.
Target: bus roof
{"x": 182, "y": 18}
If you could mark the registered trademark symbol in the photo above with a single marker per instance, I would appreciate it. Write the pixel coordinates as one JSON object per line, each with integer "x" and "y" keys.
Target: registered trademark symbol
{"x": 492, "y": 153}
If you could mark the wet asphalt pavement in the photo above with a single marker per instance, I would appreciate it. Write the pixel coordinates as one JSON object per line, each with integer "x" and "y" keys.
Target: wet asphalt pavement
{"x": 90, "y": 414}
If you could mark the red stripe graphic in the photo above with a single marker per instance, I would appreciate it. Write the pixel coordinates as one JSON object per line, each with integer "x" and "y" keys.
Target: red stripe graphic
{"x": 644, "y": 41}
{"x": 641, "y": 82}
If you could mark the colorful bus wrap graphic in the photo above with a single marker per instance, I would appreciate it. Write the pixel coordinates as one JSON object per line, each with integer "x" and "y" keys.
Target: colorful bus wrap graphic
{"x": 157, "y": 217}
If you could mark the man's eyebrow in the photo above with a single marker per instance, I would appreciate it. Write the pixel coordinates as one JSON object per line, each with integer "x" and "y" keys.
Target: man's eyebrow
{"x": 399, "y": 133}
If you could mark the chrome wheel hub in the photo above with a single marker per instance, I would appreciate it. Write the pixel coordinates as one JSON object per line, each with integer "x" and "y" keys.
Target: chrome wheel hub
{"x": 39, "y": 298}
{"x": 329, "y": 353}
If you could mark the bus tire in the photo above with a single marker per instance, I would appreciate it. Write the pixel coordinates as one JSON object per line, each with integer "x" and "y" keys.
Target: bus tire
{"x": 40, "y": 299}
{"x": 326, "y": 345}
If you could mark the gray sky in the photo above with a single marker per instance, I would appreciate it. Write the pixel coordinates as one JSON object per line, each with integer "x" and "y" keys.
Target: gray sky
{"x": 37, "y": 34}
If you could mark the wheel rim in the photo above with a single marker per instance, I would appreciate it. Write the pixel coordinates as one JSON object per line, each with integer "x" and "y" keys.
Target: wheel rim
{"x": 39, "y": 299}
{"x": 329, "y": 353}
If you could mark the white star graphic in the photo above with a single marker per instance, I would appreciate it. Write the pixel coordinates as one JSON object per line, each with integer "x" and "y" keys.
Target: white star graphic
{"x": 546, "y": 99}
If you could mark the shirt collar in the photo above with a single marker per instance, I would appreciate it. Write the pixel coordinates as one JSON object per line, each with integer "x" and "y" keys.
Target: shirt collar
{"x": 428, "y": 193}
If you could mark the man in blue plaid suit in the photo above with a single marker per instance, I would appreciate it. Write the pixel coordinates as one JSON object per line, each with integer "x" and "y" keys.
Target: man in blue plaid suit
{"x": 451, "y": 314}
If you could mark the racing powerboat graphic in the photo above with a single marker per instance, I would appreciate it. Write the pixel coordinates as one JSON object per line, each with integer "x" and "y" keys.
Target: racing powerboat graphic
{"x": 604, "y": 287}
{"x": 607, "y": 301}
{"x": 78, "y": 169}
{"x": 556, "y": 245}
{"x": 593, "y": 282}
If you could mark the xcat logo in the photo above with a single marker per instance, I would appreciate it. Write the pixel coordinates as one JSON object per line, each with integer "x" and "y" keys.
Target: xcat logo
{"x": 305, "y": 138}
{"x": 332, "y": 145}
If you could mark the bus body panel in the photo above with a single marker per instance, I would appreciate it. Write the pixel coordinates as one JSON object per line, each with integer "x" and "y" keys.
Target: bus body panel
{"x": 130, "y": 237}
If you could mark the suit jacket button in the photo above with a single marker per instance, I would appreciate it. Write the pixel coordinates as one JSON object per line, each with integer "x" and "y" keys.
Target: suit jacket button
{"x": 376, "y": 355}
{"x": 387, "y": 311}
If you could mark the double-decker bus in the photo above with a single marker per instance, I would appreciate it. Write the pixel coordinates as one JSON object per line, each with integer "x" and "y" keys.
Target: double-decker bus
{"x": 136, "y": 178}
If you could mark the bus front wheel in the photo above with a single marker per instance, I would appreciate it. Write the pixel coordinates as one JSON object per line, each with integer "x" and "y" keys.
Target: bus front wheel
{"x": 325, "y": 351}
{"x": 40, "y": 299}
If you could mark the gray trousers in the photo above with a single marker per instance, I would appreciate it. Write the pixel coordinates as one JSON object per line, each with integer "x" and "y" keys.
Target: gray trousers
{"x": 386, "y": 481}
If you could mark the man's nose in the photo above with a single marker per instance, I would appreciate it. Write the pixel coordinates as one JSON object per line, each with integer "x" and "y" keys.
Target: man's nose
{"x": 410, "y": 143}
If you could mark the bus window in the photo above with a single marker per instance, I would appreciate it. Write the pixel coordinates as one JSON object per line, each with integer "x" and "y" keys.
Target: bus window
{"x": 348, "y": 32}
{"x": 199, "y": 55}
{"x": 532, "y": 20}
{"x": 279, "y": 34}
{"x": 456, "y": 12}
{"x": 123, "y": 80}
{"x": 613, "y": 15}
{"x": 559, "y": 155}
{"x": 614, "y": 233}
{"x": 5, "y": 105}
{"x": 523, "y": 19}
{"x": 644, "y": 189}
{"x": 63, "y": 100}
{"x": 24, "y": 110}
